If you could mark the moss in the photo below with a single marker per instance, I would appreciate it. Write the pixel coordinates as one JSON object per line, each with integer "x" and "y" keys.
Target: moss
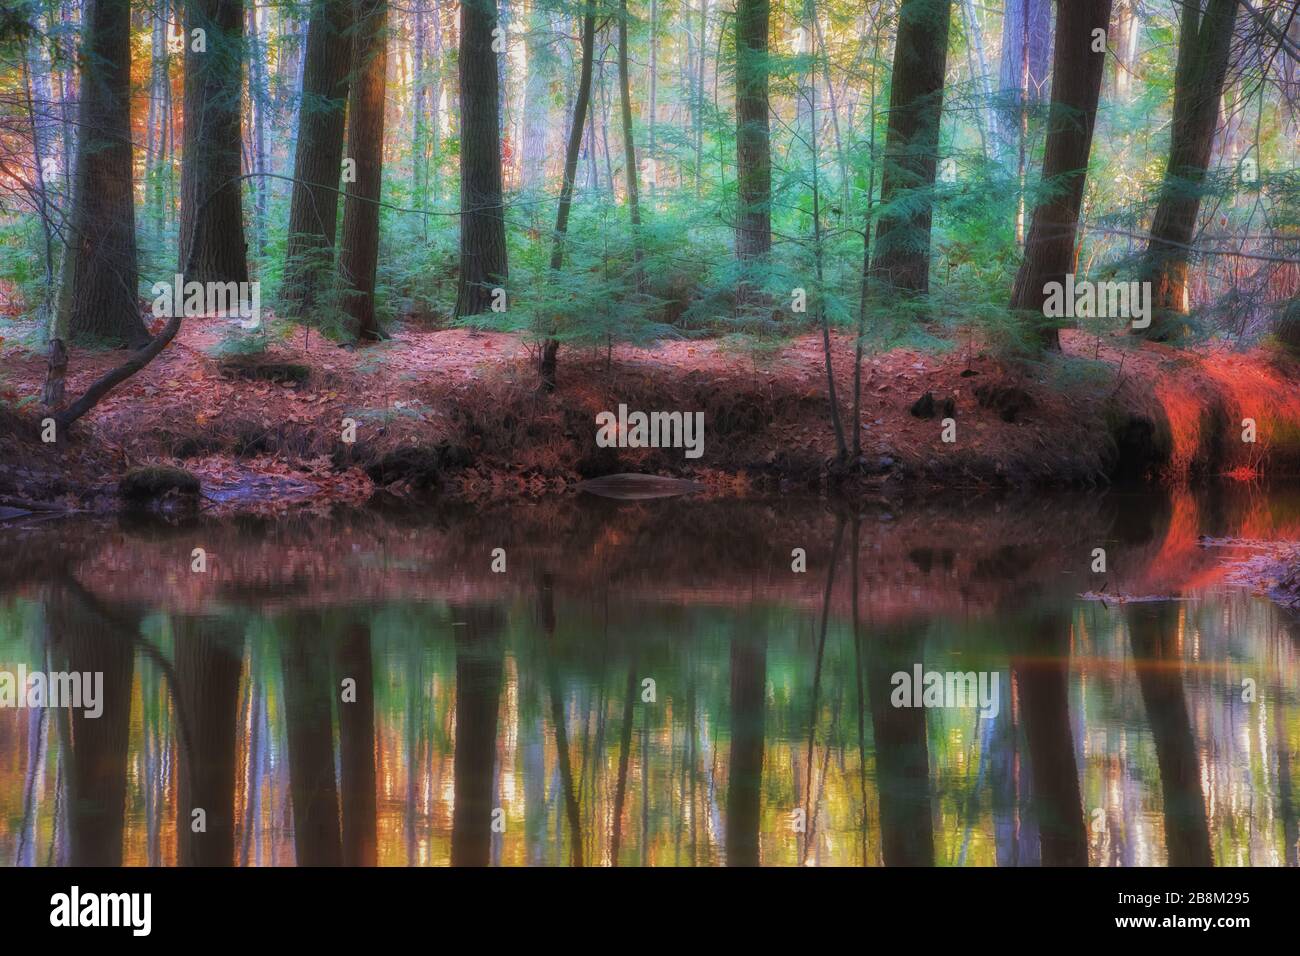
{"x": 265, "y": 370}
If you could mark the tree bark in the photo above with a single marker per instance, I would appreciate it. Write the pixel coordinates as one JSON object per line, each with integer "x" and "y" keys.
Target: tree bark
{"x": 1076, "y": 87}
{"x": 318, "y": 157}
{"x": 307, "y": 688}
{"x": 753, "y": 150}
{"x": 1205, "y": 40}
{"x": 1023, "y": 68}
{"x": 479, "y": 675}
{"x": 902, "y": 255}
{"x": 209, "y": 661}
{"x": 745, "y": 766}
{"x": 359, "y": 249}
{"x": 483, "y": 263}
{"x": 101, "y": 270}
{"x": 1043, "y": 681}
{"x": 358, "y": 799}
{"x": 212, "y": 246}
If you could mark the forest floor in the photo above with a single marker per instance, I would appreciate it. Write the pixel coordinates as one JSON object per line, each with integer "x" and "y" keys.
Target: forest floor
{"x": 457, "y": 412}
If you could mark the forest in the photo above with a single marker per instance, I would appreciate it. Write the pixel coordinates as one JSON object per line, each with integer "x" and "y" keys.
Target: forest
{"x": 350, "y": 245}
{"x": 542, "y": 432}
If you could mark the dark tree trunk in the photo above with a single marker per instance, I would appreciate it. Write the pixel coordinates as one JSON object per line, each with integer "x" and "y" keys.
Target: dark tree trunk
{"x": 902, "y": 254}
{"x": 479, "y": 672}
{"x": 902, "y": 752}
{"x": 212, "y": 246}
{"x": 318, "y": 158}
{"x": 101, "y": 271}
{"x": 359, "y": 250}
{"x": 753, "y": 152}
{"x": 1043, "y": 681}
{"x": 312, "y": 789}
{"x": 1076, "y": 87}
{"x": 624, "y": 756}
{"x": 551, "y": 347}
{"x": 1205, "y": 40}
{"x": 483, "y": 263}
{"x": 1153, "y": 632}
{"x": 84, "y": 640}
{"x": 745, "y": 766}
{"x": 357, "y": 750}
{"x": 209, "y": 660}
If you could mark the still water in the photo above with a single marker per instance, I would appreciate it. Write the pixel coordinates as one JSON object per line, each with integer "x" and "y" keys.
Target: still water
{"x": 654, "y": 683}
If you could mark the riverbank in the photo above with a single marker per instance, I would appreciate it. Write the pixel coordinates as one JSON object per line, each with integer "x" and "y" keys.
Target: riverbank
{"x": 308, "y": 424}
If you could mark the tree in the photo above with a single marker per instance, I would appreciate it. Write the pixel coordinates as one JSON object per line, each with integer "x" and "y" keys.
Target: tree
{"x": 1077, "y": 66}
{"x": 753, "y": 150}
{"x": 551, "y": 347}
{"x": 318, "y": 156}
{"x": 902, "y": 256}
{"x": 1026, "y": 58}
{"x": 629, "y": 143}
{"x": 479, "y": 676}
{"x": 209, "y": 661}
{"x": 312, "y": 787}
{"x": 1205, "y": 38}
{"x": 1022, "y": 84}
{"x": 99, "y": 295}
{"x": 359, "y": 249}
{"x": 745, "y": 774}
{"x": 357, "y": 788}
{"x": 483, "y": 265}
{"x": 212, "y": 247}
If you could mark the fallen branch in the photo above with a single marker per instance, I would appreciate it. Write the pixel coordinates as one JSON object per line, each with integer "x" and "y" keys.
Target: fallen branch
{"x": 108, "y": 382}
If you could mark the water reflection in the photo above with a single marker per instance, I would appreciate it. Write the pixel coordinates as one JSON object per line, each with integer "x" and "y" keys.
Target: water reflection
{"x": 654, "y": 685}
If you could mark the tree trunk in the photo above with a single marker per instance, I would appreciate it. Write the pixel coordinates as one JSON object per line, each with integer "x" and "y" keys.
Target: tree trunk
{"x": 1076, "y": 86}
{"x": 1023, "y": 69}
{"x": 551, "y": 347}
{"x": 483, "y": 263}
{"x": 1153, "y": 633}
{"x": 1203, "y": 48}
{"x": 357, "y": 750}
{"x": 536, "y": 99}
{"x": 212, "y": 247}
{"x": 753, "y": 153}
{"x": 209, "y": 661}
{"x": 318, "y": 158}
{"x": 479, "y": 675}
{"x": 745, "y": 765}
{"x": 307, "y": 689}
{"x": 629, "y": 143}
{"x": 902, "y": 255}
{"x": 359, "y": 249}
{"x": 101, "y": 270}
{"x": 83, "y": 639}
{"x": 1043, "y": 681}
{"x": 902, "y": 751}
